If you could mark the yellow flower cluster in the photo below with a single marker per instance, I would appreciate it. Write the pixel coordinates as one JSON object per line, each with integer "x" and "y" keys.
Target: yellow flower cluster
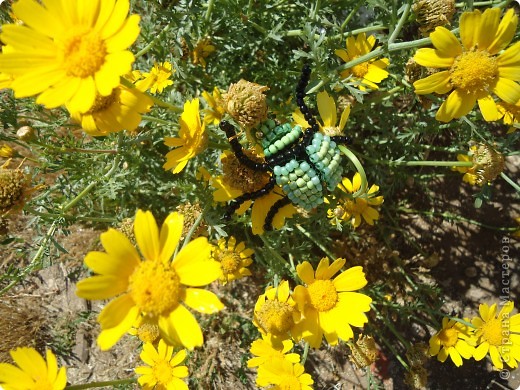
{"x": 320, "y": 307}
{"x": 496, "y": 334}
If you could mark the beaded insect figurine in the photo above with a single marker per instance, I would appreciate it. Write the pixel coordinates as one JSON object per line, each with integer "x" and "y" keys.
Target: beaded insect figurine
{"x": 302, "y": 163}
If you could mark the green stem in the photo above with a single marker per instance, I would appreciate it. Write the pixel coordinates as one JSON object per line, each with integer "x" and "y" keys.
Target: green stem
{"x": 456, "y": 217}
{"x": 400, "y": 24}
{"x": 391, "y": 327}
{"x": 207, "y": 17}
{"x": 102, "y": 384}
{"x": 329, "y": 254}
{"x": 468, "y": 324}
{"x": 277, "y": 256}
{"x": 88, "y": 188}
{"x": 195, "y": 226}
{"x": 350, "y": 16}
{"x": 70, "y": 217}
{"x": 158, "y": 38}
{"x": 156, "y": 120}
{"x": 163, "y": 104}
{"x": 297, "y": 33}
{"x": 431, "y": 163}
{"x": 305, "y": 353}
{"x": 75, "y": 150}
{"x": 510, "y": 181}
{"x": 357, "y": 164}
{"x": 35, "y": 259}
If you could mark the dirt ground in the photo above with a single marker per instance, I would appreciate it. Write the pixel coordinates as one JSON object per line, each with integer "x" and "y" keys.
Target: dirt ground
{"x": 464, "y": 259}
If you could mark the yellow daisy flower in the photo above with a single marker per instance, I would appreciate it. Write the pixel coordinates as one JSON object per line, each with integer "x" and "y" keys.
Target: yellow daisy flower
{"x": 329, "y": 306}
{"x": 498, "y": 335}
{"x": 472, "y": 70}
{"x": 68, "y": 52}
{"x": 368, "y": 73}
{"x": 267, "y": 349}
{"x": 32, "y": 371}
{"x": 157, "y": 79}
{"x": 454, "y": 340}
{"x": 216, "y": 110}
{"x": 469, "y": 172}
{"x": 238, "y": 180}
{"x": 192, "y": 139}
{"x": 163, "y": 370}
{"x": 275, "y": 312}
{"x": 6, "y": 151}
{"x": 201, "y": 51}
{"x": 233, "y": 259}
{"x": 157, "y": 288}
{"x": 281, "y": 374}
{"x": 328, "y": 114}
{"x": 356, "y": 209}
{"x": 121, "y": 110}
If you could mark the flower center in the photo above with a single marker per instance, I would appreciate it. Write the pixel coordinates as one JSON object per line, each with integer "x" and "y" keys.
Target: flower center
{"x": 449, "y": 337}
{"x": 148, "y": 332}
{"x": 492, "y": 332}
{"x": 162, "y": 371}
{"x": 240, "y": 177}
{"x": 229, "y": 261}
{"x": 104, "y": 102}
{"x": 84, "y": 52}
{"x": 276, "y": 317}
{"x": 155, "y": 288}
{"x": 360, "y": 70}
{"x": 474, "y": 71}
{"x": 356, "y": 206}
{"x": 323, "y": 295}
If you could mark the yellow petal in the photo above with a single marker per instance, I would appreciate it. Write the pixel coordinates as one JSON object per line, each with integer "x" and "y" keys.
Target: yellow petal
{"x": 488, "y": 27}
{"x": 456, "y": 105}
{"x": 488, "y": 108}
{"x": 305, "y": 272}
{"x": 505, "y": 33}
{"x": 202, "y": 301}
{"x": 446, "y": 43}
{"x": 193, "y": 258}
{"x": 344, "y": 117}
{"x": 84, "y": 97}
{"x": 181, "y": 327}
{"x": 126, "y": 36}
{"x": 38, "y": 18}
{"x": 171, "y": 231}
{"x": 115, "y": 19}
{"x": 469, "y": 28}
{"x": 147, "y": 234}
{"x": 101, "y": 287}
{"x": 432, "y": 58}
{"x": 120, "y": 250}
{"x": 30, "y": 361}
{"x": 327, "y": 109}
{"x": 350, "y": 280}
{"x": 481, "y": 351}
{"x": 109, "y": 337}
{"x": 507, "y": 90}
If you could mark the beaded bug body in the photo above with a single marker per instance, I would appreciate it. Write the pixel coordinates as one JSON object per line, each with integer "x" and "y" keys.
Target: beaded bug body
{"x": 305, "y": 164}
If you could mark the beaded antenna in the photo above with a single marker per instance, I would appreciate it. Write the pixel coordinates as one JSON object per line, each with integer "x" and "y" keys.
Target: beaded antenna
{"x": 304, "y": 163}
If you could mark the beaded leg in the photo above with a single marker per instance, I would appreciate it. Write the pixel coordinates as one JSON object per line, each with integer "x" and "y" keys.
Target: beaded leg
{"x": 238, "y": 150}
{"x": 300, "y": 94}
{"x": 268, "y": 223}
{"x": 341, "y": 139}
{"x": 233, "y": 206}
